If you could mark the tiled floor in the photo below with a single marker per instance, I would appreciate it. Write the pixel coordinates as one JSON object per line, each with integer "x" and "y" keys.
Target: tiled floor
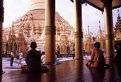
{"x": 66, "y": 71}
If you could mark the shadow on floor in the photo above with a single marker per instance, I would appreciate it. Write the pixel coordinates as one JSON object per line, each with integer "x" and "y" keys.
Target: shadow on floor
{"x": 67, "y": 71}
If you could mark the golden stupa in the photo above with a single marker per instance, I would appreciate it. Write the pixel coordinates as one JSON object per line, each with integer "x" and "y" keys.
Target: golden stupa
{"x": 30, "y": 27}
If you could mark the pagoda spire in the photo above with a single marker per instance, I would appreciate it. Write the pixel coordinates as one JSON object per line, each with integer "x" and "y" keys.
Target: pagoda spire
{"x": 12, "y": 29}
{"x": 118, "y": 18}
{"x": 99, "y": 29}
{"x": 9, "y": 34}
{"x": 117, "y": 29}
{"x": 20, "y": 33}
{"x": 118, "y": 23}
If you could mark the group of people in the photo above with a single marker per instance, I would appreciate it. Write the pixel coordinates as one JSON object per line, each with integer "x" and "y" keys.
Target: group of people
{"x": 12, "y": 56}
{"x": 33, "y": 58}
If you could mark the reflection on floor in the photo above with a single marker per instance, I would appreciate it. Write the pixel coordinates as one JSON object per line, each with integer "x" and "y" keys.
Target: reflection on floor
{"x": 67, "y": 71}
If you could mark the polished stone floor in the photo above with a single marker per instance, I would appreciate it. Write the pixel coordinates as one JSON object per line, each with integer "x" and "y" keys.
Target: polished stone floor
{"x": 66, "y": 71}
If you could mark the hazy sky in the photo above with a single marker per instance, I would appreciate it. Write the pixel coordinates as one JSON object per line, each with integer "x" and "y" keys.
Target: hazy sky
{"x": 14, "y": 9}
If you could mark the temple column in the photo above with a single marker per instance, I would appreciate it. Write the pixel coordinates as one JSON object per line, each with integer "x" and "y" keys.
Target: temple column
{"x": 50, "y": 31}
{"x": 108, "y": 30}
{"x": 1, "y": 27}
{"x": 78, "y": 29}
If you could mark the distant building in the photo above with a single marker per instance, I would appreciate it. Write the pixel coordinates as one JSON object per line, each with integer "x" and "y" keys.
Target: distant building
{"x": 30, "y": 27}
{"x": 100, "y": 37}
{"x": 117, "y": 29}
{"x": 88, "y": 41}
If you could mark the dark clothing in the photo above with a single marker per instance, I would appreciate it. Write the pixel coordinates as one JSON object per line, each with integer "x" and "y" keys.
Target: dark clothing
{"x": 118, "y": 56}
{"x": 33, "y": 60}
{"x": 118, "y": 50}
{"x": 12, "y": 58}
{"x": 73, "y": 53}
{"x": 11, "y": 61}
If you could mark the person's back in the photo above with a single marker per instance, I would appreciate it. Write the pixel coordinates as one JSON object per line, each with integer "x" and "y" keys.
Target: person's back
{"x": 97, "y": 57}
{"x": 33, "y": 60}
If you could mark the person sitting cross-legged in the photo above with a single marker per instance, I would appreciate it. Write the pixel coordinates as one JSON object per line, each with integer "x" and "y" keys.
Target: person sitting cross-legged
{"x": 97, "y": 58}
{"x": 32, "y": 59}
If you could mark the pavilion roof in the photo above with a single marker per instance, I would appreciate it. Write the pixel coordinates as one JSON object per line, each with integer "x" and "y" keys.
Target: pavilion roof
{"x": 99, "y": 5}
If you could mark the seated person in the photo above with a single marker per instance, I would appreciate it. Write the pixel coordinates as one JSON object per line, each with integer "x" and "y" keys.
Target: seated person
{"x": 118, "y": 50}
{"x": 97, "y": 57}
{"x": 43, "y": 57}
{"x": 32, "y": 59}
{"x": 44, "y": 61}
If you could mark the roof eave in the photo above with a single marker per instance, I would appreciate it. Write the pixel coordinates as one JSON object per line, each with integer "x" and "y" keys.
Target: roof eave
{"x": 101, "y": 9}
{"x": 116, "y": 7}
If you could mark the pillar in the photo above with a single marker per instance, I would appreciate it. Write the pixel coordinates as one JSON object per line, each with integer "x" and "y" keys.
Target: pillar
{"x": 1, "y": 26}
{"x": 108, "y": 30}
{"x": 50, "y": 31}
{"x": 78, "y": 29}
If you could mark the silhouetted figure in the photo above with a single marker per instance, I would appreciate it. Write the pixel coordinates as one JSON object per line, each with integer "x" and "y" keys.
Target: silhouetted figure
{"x": 118, "y": 50}
{"x": 68, "y": 51}
{"x": 73, "y": 53}
{"x": 97, "y": 57}
{"x": 11, "y": 58}
{"x": 58, "y": 51}
{"x": 32, "y": 59}
{"x": 118, "y": 57}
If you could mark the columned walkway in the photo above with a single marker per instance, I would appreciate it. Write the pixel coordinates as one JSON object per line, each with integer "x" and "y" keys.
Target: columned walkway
{"x": 66, "y": 71}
